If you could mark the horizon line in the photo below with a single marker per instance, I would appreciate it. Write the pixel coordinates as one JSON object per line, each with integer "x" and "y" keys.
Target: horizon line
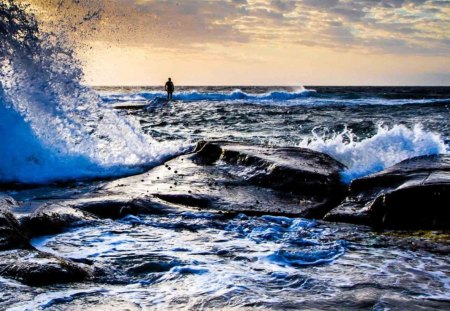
{"x": 275, "y": 85}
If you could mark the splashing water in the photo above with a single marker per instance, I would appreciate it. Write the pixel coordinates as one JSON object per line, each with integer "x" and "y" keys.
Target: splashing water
{"x": 52, "y": 127}
{"x": 386, "y": 148}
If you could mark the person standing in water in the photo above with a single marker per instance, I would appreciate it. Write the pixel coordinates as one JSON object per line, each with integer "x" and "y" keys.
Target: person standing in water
{"x": 169, "y": 88}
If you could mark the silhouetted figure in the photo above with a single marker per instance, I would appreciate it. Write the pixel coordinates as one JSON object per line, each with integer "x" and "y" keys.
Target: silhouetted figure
{"x": 169, "y": 88}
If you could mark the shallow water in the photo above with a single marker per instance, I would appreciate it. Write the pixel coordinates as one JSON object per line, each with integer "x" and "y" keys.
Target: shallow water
{"x": 202, "y": 261}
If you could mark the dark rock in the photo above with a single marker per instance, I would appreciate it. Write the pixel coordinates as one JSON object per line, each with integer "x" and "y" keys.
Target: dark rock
{"x": 149, "y": 206}
{"x": 207, "y": 153}
{"x": 289, "y": 169}
{"x": 312, "y": 177}
{"x": 54, "y": 218}
{"x": 37, "y": 268}
{"x": 115, "y": 207}
{"x": 413, "y": 194}
{"x": 11, "y": 233}
{"x": 249, "y": 179}
{"x": 130, "y": 105}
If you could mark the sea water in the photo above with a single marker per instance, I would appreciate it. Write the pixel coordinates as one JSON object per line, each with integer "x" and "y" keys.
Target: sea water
{"x": 198, "y": 260}
{"x": 53, "y": 128}
{"x": 366, "y": 128}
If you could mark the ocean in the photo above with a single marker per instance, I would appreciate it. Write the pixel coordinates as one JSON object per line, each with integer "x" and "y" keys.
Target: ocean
{"x": 60, "y": 139}
{"x": 199, "y": 260}
{"x": 366, "y": 128}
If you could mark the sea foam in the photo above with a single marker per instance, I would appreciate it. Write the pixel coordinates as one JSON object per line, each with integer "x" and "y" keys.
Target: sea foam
{"x": 386, "y": 148}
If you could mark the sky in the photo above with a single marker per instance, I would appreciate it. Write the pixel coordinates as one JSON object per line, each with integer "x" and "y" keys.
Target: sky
{"x": 258, "y": 42}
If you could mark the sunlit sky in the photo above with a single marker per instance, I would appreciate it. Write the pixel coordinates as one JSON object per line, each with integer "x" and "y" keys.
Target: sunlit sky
{"x": 256, "y": 42}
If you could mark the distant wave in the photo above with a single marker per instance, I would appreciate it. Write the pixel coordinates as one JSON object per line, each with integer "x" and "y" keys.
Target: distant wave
{"x": 299, "y": 97}
{"x": 386, "y": 148}
{"x": 195, "y": 95}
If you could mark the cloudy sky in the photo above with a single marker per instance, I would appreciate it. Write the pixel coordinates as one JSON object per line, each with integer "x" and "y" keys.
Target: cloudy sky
{"x": 260, "y": 42}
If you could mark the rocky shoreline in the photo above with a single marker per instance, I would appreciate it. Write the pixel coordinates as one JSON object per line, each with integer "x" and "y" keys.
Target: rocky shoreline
{"x": 228, "y": 179}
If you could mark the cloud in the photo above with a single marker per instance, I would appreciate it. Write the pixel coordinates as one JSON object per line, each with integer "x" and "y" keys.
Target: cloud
{"x": 320, "y": 3}
{"x": 372, "y": 26}
{"x": 382, "y": 26}
{"x": 283, "y": 5}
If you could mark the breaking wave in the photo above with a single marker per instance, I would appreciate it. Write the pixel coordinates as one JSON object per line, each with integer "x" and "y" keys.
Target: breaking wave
{"x": 298, "y": 97}
{"x": 196, "y": 95}
{"x": 52, "y": 127}
{"x": 386, "y": 148}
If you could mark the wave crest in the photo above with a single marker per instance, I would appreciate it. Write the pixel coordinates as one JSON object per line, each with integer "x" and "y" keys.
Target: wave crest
{"x": 297, "y": 97}
{"x": 195, "y": 95}
{"x": 386, "y": 148}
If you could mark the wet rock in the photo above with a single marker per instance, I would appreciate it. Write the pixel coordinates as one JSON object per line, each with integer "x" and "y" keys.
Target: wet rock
{"x": 133, "y": 105}
{"x": 11, "y": 233}
{"x": 54, "y": 218}
{"x": 187, "y": 199}
{"x": 218, "y": 176}
{"x": 413, "y": 194}
{"x": 309, "y": 178}
{"x": 37, "y": 268}
{"x": 247, "y": 179}
{"x": 115, "y": 207}
{"x": 207, "y": 153}
{"x": 287, "y": 169}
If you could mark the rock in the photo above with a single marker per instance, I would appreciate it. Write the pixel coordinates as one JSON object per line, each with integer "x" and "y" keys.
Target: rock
{"x": 249, "y": 179}
{"x": 54, "y": 218}
{"x": 11, "y": 234}
{"x": 207, "y": 152}
{"x": 413, "y": 194}
{"x": 115, "y": 207}
{"x": 37, "y": 268}
{"x": 187, "y": 199}
{"x": 112, "y": 207}
{"x": 288, "y": 169}
{"x": 311, "y": 176}
{"x": 130, "y": 105}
